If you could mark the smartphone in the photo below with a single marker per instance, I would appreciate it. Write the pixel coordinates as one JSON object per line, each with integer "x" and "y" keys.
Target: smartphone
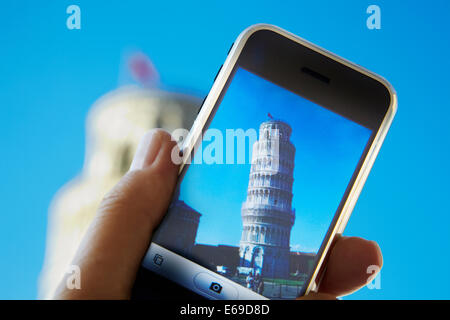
{"x": 271, "y": 169}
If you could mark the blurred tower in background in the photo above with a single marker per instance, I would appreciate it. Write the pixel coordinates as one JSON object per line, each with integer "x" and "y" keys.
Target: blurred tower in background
{"x": 115, "y": 124}
{"x": 267, "y": 214}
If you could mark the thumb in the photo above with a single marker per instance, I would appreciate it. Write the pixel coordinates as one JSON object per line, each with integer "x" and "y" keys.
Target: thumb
{"x": 117, "y": 239}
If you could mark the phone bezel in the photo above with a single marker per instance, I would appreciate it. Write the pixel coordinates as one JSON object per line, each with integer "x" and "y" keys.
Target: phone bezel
{"x": 376, "y": 116}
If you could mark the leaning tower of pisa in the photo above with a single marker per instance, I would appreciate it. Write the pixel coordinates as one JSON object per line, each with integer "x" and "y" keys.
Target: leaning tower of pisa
{"x": 267, "y": 213}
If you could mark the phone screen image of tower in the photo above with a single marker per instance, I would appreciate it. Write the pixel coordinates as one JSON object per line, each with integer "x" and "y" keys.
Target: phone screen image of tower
{"x": 267, "y": 213}
{"x": 261, "y": 222}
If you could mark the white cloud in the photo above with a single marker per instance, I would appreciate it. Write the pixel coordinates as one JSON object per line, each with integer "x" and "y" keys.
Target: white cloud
{"x": 299, "y": 247}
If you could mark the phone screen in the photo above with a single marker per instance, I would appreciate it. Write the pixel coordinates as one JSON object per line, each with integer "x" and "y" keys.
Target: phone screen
{"x": 258, "y": 197}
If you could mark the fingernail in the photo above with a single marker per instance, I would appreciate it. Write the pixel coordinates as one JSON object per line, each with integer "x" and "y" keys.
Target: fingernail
{"x": 147, "y": 151}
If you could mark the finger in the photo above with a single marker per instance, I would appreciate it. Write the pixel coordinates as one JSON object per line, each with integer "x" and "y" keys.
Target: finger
{"x": 348, "y": 263}
{"x": 117, "y": 239}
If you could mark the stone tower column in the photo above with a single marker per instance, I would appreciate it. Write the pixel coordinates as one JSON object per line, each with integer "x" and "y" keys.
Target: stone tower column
{"x": 267, "y": 213}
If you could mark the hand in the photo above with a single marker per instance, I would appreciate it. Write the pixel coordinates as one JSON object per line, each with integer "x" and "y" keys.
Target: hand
{"x": 116, "y": 241}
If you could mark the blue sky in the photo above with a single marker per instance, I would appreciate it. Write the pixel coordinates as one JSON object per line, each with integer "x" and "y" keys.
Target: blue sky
{"x": 328, "y": 148}
{"x": 50, "y": 76}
